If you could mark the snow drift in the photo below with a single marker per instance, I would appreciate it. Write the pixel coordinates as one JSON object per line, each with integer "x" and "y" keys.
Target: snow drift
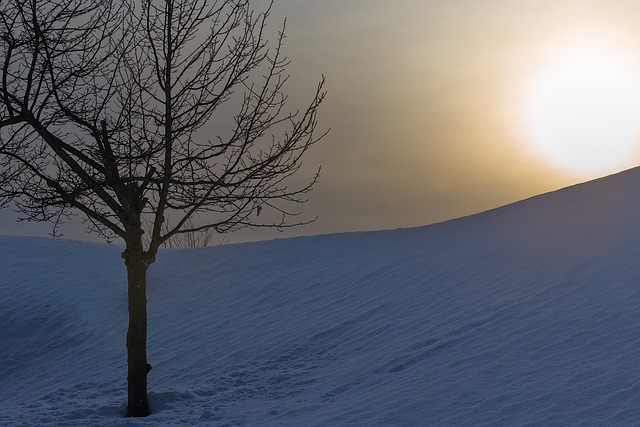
{"x": 524, "y": 315}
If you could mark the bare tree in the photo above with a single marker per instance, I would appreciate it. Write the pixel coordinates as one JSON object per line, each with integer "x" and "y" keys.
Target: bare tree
{"x": 103, "y": 107}
{"x": 195, "y": 239}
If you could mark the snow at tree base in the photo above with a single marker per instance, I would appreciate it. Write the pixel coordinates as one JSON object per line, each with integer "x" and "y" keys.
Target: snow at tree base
{"x": 524, "y": 315}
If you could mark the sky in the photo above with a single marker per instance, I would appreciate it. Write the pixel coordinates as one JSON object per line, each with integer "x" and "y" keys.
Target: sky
{"x": 440, "y": 109}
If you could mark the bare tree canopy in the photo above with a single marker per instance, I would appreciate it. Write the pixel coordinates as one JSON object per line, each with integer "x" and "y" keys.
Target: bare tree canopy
{"x": 103, "y": 107}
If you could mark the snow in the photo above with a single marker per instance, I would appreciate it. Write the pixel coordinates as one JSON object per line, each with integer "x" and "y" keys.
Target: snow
{"x": 524, "y": 315}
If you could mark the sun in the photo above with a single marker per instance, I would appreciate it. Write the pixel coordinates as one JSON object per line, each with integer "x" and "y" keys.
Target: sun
{"x": 583, "y": 113}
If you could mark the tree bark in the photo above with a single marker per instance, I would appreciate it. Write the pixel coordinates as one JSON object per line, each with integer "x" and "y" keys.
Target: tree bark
{"x": 138, "y": 405}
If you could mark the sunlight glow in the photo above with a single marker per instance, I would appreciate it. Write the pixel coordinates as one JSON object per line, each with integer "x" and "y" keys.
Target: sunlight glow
{"x": 583, "y": 113}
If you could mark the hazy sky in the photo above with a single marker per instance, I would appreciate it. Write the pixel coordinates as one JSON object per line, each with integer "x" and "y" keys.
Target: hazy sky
{"x": 426, "y": 103}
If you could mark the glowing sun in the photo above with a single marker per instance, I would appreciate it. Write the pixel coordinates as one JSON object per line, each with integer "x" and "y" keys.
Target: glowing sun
{"x": 583, "y": 113}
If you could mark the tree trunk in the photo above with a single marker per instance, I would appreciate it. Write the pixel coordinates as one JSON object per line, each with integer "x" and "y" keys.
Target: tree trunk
{"x": 137, "y": 334}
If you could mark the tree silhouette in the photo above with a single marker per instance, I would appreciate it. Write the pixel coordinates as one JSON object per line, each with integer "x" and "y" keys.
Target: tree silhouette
{"x": 103, "y": 106}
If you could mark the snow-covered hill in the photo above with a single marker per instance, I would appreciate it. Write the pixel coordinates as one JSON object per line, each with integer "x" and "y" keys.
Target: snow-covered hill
{"x": 524, "y": 315}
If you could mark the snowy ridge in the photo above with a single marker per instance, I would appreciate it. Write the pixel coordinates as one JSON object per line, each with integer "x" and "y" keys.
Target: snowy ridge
{"x": 524, "y": 315}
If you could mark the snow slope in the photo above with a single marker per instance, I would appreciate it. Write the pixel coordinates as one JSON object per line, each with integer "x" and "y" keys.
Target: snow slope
{"x": 524, "y": 315}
